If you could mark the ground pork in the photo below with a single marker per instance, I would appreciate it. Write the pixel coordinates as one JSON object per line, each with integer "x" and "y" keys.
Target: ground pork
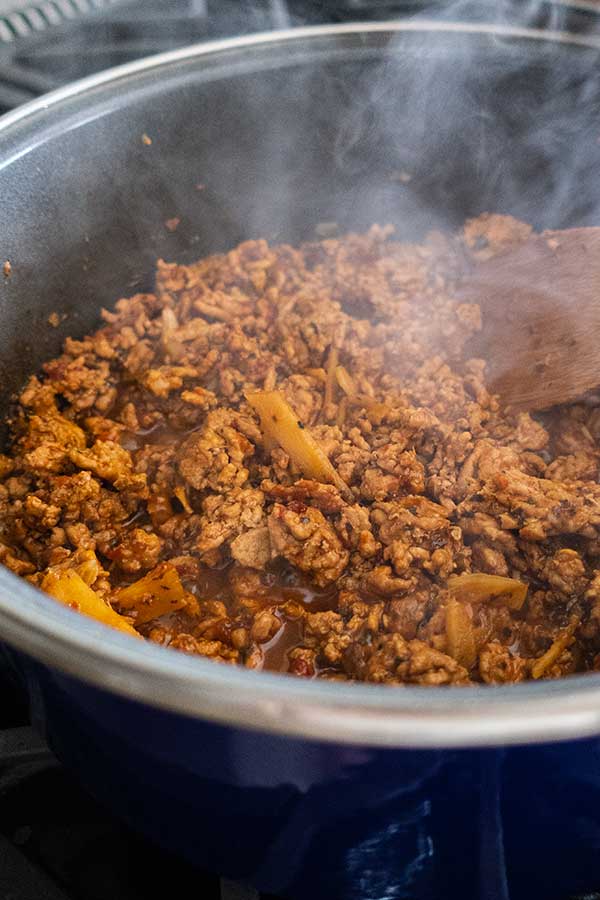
{"x": 137, "y": 461}
{"x": 302, "y": 535}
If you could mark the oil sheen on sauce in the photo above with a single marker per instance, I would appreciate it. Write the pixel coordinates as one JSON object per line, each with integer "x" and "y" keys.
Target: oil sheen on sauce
{"x": 280, "y": 585}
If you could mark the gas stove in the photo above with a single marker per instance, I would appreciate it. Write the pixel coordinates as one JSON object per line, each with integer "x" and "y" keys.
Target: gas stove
{"x": 56, "y": 843}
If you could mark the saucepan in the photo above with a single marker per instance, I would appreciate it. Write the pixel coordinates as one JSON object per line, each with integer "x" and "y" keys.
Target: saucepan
{"x": 302, "y": 788}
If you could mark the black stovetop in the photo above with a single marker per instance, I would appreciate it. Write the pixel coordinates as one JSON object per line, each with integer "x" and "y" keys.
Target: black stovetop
{"x": 57, "y": 843}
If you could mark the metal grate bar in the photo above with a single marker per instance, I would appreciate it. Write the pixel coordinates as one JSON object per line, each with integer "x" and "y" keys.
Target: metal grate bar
{"x": 50, "y": 13}
{"x": 18, "y": 23}
{"x": 6, "y": 33}
{"x": 38, "y": 17}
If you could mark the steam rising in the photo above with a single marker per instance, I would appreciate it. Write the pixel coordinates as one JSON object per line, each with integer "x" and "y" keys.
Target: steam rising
{"x": 472, "y": 123}
{"x": 442, "y": 125}
{"x": 422, "y": 129}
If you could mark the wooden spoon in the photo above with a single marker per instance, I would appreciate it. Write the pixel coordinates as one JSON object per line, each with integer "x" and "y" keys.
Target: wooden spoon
{"x": 540, "y": 303}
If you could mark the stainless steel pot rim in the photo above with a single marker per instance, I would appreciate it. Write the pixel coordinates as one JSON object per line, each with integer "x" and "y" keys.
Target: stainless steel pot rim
{"x": 317, "y": 710}
{"x": 291, "y": 36}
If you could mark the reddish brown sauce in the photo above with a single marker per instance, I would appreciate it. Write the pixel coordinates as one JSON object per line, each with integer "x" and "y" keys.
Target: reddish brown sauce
{"x": 138, "y": 454}
{"x": 276, "y": 651}
{"x": 282, "y": 590}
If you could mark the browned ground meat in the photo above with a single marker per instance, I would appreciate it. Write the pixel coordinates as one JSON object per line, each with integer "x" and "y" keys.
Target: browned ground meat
{"x": 138, "y": 462}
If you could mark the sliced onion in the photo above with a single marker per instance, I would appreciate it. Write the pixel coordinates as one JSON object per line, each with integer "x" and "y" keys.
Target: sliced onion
{"x": 460, "y": 636}
{"x": 477, "y": 587}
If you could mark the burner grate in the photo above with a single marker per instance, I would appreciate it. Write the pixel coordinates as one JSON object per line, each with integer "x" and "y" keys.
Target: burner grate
{"x": 49, "y": 44}
{"x": 20, "y": 23}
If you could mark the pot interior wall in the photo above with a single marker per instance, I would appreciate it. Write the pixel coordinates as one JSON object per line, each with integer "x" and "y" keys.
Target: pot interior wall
{"x": 420, "y": 130}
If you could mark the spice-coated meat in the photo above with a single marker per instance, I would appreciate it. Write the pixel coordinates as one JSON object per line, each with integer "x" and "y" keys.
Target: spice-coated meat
{"x": 365, "y": 542}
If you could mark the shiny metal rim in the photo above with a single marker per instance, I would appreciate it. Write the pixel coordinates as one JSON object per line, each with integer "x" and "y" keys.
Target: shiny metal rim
{"x": 343, "y": 713}
{"x": 290, "y": 36}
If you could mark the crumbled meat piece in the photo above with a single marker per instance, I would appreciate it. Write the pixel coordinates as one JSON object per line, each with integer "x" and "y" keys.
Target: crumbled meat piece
{"x": 591, "y": 627}
{"x": 165, "y": 379}
{"x": 303, "y": 395}
{"x": 498, "y": 665}
{"x": 15, "y": 563}
{"x": 264, "y": 627}
{"x": 244, "y": 582}
{"x": 252, "y": 548}
{"x": 382, "y": 581}
{"x": 570, "y": 432}
{"x": 354, "y": 529}
{"x": 528, "y": 434}
{"x": 583, "y": 465}
{"x": 491, "y": 234}
{"x": 304, "y": 537}
{"x": 104, "y": 429}
{"x": 393, "y": 659}
{"x": 394, "y": 473}
{"x": 46, "y": 443}
{"x": 83, "y": 386}
{"x": 226, "y": 516}
{"x": 325, "y": 632}
{"x": 137, "y": 552}
{"x": 540, "y": 508}
{"x": 563, "y": 571}
{"x": 213, "y": 649}
{"x": 214, "y": 456}
{"x": 404, "y": 616}
{"x": 301, "y": 661}
{"x": 417, "y": 534}
{"x": 106, "y": 459}
{"x": 325, "y": 497}
{"x": 488, "y": 559}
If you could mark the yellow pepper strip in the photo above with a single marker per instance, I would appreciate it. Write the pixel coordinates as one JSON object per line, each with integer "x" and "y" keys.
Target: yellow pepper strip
{"x": 330, "y": 383}
{"x": 478, "y": 586}
{"x": 460, "y": 638}
{"x": 377, "y": 411}
{"x": 317, "y": 374}
{"x": 345, "y": 381}
{"x": 341, "y": 413}
{"x": 70, "y": 588}
{"x": 182, "y": 497}
{"x": 280, "y": 423}
{"x": 154, "y": 595}
{"x": 541, "y": 665}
